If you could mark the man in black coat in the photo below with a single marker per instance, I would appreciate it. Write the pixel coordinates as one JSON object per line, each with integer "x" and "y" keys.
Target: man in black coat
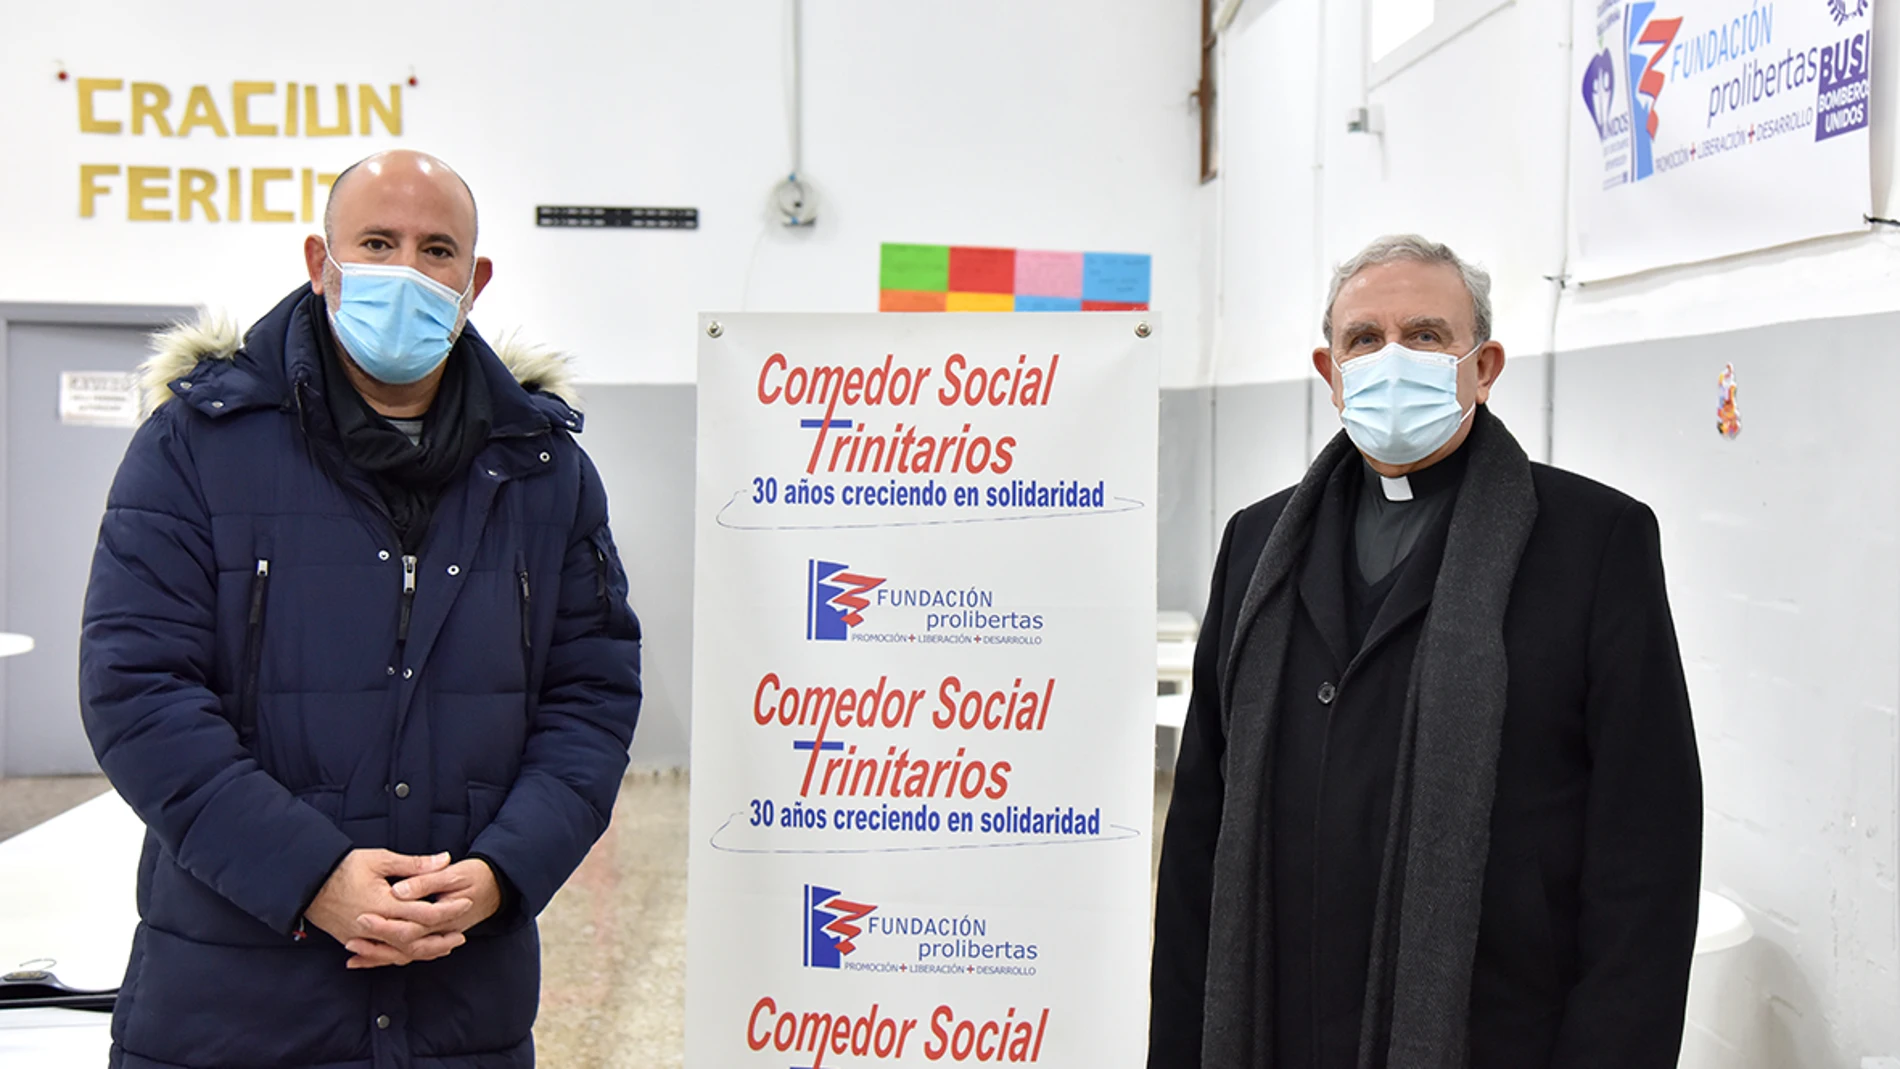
{"x": 1438, "y": 802}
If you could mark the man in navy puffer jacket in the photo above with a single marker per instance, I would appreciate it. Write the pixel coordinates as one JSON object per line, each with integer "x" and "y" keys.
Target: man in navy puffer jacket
{"x": 357, "y": 649}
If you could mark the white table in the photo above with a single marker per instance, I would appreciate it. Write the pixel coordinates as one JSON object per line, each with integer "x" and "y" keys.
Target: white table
{"x": 1174, "y": 663}
{"x": 1720, "y": 925}
{"x": 1724, "y": 1027}
{"x": 1173, "y": 626}
{"x": 67, "y": 894}
{"x": 1175, "y": 633}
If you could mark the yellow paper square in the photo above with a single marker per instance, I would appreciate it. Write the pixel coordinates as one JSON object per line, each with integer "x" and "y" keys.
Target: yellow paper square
{"x": 979, "y": 302}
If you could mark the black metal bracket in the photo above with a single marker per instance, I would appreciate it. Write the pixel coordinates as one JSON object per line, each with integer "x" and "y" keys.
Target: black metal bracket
{"x": 617, "y": 218}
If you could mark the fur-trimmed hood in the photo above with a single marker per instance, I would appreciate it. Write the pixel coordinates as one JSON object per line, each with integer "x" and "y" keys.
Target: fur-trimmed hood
{"x": 212, "y": 336}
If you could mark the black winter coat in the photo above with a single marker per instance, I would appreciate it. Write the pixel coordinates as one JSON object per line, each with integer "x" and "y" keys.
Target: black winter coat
{"x": 270, "y": 684}
{"x": 1590, "y": 894}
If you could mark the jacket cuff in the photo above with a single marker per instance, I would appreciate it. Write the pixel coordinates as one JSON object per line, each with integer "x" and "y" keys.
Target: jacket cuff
{"x": 263, "y": 850}
{"x": 509, "y": 896}
{"x": 304, "y": 911}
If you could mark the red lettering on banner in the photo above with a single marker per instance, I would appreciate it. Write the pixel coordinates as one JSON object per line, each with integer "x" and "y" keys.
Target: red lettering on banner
{"x": 1005, "y": 1039}
{"x": 841, "y": 770}
{"x": 868, "y": 1035}
{"x": 907, "y": 449}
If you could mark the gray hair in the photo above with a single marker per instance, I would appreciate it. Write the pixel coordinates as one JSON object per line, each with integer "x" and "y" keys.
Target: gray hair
{"x": 1411, "y": 247}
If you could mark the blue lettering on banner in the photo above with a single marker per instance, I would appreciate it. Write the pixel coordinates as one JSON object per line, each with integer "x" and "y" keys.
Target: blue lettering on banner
{"x": 1842, "y": 107}
{"x": 1735, "y": 39}
{"x": 938, "y": 599}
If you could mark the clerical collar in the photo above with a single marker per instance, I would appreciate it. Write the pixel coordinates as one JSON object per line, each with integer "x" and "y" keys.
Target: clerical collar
{"x": 1385, "y": 528}
{"x": 1421, "y": 484}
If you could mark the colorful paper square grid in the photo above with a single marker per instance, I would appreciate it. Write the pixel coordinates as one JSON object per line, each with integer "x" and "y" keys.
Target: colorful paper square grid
{"x": 958, "y": 278}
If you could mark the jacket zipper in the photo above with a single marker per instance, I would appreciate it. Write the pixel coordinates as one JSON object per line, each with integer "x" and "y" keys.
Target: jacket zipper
{"x": 527, "y": 629}
{"x": 527, "y": 615}
{"x": 408, "y": 599}
{"x": 253, "y": 653}
{"x": 409, "y": 560}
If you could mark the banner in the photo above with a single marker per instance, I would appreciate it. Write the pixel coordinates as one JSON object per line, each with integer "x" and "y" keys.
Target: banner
{"x": 923, "y": 690}
{"x": 1713, "y": 127}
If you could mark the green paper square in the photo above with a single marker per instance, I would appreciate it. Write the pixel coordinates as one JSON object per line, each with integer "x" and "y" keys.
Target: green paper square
{"x": 915, "y": 267}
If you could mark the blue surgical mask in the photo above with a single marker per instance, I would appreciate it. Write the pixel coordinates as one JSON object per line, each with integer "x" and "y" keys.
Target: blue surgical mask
{"x": 1401, "y": 404}
{"x": 397, "y": 323}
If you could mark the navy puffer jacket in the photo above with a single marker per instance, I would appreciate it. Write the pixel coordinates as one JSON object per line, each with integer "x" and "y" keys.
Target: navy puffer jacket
{"x": 248, "y": 690}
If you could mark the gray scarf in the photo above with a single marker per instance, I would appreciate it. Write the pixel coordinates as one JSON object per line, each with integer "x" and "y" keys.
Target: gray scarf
{"x": 1425, "y": 928}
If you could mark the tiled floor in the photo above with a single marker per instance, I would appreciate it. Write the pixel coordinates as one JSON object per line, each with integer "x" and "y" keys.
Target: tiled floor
{"x": 29, "y": 800}
{"x": 613, "y": 941}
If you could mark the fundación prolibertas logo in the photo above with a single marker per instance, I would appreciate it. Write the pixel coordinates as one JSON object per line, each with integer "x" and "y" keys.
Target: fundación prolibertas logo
{"x": 1669, "y": 89}
{"x": 834, "y": 600}
{"x": 848, "y": 934}
{"x": 847, "y": 604}
{"x": 831, "y": 923}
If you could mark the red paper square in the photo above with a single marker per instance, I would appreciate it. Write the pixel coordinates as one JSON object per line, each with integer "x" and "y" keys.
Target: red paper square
{"x": 974, "y": 270}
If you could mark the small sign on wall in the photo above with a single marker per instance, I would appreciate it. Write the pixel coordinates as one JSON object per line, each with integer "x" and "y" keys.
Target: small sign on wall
{"x": 99, "y": 398}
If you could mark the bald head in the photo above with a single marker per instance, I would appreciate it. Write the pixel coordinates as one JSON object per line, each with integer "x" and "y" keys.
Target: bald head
{"x": 398, "y": 166}
{"x": 405, "y": 209}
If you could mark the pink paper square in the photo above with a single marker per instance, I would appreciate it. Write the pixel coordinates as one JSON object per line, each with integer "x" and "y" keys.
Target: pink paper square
{"x": 1048, "y": 274}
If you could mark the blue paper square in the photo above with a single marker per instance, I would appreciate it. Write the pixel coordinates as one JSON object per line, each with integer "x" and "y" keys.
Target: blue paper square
{"x": 1027, "y": 303}
{"x": 1115, "y": 276}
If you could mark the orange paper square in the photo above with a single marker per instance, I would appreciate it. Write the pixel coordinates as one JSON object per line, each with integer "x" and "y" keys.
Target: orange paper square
{"x": 910, "y": 301}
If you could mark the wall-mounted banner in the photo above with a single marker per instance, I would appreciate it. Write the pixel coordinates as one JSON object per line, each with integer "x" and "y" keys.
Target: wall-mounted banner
{"x": 923, "y": 704}
{"x": 1705, "y": 128}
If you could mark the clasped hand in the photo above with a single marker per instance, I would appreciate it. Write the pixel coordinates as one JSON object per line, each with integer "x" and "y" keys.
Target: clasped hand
{"x": 419, "y": 917}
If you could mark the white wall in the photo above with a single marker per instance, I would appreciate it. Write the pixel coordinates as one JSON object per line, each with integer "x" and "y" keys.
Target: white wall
{"x": 1799, "y": 749}
{"x": 1062, "y": 124}
{"x": 1474, "y": 153}
{"x": 1780, "y": 554}
{"x": 1268, "y": 196}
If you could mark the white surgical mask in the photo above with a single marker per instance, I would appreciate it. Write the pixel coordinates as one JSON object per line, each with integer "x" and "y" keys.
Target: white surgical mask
{"x": 1401, "y": 405}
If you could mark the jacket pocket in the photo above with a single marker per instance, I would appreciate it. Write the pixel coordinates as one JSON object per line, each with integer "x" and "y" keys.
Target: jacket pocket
{"x": 325, "y": 800}
{"x": 610, "y": 587}
{"x": 484, "y": 801}
{"x": 253, "y": 653}
{"x": 1517, "y": 995}
{"x": 1515, "y": 929}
